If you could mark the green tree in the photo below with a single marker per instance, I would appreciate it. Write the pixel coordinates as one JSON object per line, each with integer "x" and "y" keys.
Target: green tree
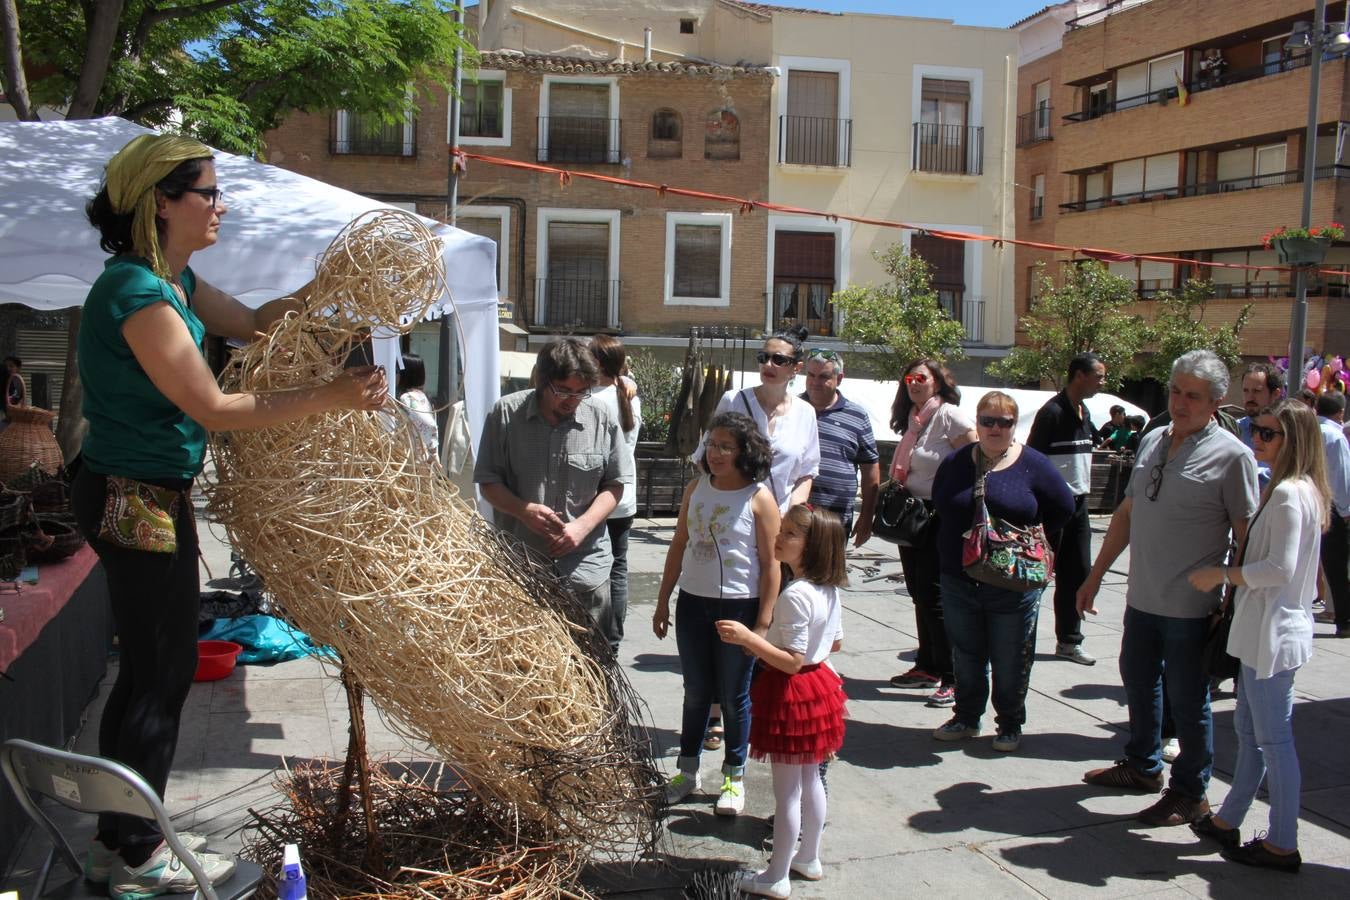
{"x": 898, "y": 321}
{"x": 1084, "y": 313}
{"x": 1179, "y": 326}
{"x": 658, "y": 388}
{"x": 224, "y": 71}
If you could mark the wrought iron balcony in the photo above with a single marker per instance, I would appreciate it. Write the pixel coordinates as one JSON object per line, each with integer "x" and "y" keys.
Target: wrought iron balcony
{"x": 1034, "y": 127}
{"x": 575, "y": 304}
{"x": 813, "y": 141}
{"x": 1201, "y": 189}
{"x": 950, "y": 149}
{"x": 579, "y": 139}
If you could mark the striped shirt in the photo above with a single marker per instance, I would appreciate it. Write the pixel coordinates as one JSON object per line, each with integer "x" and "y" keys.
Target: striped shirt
{"x": 1066, "y": 439}
{"x": 846, "y": 442}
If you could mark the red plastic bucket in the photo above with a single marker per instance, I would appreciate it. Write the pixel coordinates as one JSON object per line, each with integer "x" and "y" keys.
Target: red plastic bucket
{"x": 215, "y": 659}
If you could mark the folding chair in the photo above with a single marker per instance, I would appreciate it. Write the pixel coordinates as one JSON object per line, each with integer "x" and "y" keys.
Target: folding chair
{"x": 90, "y": 784}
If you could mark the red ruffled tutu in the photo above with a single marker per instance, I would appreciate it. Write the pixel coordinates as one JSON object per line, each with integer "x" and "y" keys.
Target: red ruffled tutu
{"x": 796, "y": 719}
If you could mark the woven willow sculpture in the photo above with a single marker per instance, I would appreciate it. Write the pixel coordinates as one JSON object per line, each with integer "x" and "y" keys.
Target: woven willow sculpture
{"x": 469, "y": 643}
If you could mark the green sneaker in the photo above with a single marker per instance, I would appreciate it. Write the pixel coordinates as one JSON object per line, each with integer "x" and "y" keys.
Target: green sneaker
{"x": 164, "y": 873}
{"x": 731, "y": 801}
{"x": 682, "y": 785}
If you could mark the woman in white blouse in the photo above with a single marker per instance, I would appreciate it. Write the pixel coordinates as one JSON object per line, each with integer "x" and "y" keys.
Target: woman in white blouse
{"x": 1272, "y": 632}
{"x": 788, "y": 421}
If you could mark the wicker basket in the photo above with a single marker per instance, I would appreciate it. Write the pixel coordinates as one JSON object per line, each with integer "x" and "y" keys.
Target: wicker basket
{"x": 66, "y": 539}
{"x": 15, "y": 509}
{"x": 12, "y": 555}
{"x": 28, "y": 440}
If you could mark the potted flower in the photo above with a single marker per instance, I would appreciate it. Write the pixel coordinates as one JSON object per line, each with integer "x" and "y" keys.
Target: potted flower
{"x": 1303, "y": 246}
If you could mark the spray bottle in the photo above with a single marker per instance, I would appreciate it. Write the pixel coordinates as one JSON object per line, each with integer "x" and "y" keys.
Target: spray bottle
{"x": 291, "y": 882}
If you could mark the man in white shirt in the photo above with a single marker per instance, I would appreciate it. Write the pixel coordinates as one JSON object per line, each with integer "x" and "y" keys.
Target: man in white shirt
{"x": 1336, "y": 540}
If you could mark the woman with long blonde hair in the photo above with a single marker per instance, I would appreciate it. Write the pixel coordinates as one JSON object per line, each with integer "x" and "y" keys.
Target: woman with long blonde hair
{"x": 1272, "y": 632}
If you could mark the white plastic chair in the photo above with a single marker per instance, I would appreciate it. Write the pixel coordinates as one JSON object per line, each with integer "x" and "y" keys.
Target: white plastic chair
{"x": 91, "y": 784}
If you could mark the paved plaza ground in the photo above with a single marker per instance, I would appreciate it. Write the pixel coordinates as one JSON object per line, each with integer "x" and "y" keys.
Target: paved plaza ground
{"x": 908, "y": 817}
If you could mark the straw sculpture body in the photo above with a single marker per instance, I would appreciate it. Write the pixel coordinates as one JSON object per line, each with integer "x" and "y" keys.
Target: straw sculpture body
{"x": 466, "y": 640}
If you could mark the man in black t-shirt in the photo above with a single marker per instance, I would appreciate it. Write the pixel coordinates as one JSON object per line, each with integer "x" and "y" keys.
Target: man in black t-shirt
{"x": 1063, "y": 431}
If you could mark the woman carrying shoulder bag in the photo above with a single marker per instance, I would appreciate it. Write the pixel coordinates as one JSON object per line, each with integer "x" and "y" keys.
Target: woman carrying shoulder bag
{"x": 931, "y": 424}
{"x": 1271, "y": 632}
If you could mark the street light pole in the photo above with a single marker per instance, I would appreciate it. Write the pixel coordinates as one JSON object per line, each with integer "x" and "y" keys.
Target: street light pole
{"x": 1298, "y": 322}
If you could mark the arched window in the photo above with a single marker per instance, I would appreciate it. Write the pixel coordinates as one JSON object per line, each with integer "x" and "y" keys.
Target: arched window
{"x": 666, "y": 139}
{"x": 722, "y": 135}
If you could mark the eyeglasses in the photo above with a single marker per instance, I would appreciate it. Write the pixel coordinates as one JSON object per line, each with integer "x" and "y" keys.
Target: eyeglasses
{"x": 1265, "y": 434}
{"x": 916, "y": 378}
{"x": 215, "y": 195}
{"x": 564, "y": 394}
{"x": 778, "y": 359}
{"x": 1154, "y": 482}
{"x": 996, "y": 421}
{"x": 823, "y": 353}
{"x": 724, "y": 449}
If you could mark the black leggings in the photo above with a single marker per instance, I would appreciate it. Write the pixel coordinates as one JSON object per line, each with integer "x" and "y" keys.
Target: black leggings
{"x": 155, "y": 599}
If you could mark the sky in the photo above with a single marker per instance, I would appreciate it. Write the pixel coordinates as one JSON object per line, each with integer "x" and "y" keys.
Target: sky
{"x": 994, "y": 13}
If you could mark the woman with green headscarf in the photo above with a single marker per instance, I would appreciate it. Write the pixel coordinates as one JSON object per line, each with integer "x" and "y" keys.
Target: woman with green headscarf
{"x": 149, "y": 399}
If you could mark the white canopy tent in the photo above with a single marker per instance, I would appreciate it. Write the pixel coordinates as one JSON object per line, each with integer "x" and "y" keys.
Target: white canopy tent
{"x": 277, "y": 225}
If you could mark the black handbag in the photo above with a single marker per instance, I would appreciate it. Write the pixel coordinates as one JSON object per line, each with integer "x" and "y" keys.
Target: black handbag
{"x": 1214, "y": 658}
{"x": 901, "y": 518}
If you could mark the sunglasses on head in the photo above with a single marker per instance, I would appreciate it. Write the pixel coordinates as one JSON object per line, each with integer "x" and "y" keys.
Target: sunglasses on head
{"x": 1266, "y": 434}
{"x": 822, "y": 353}
{"x": 996, "y": 421}
{"x": 778, "y": 359}
{"x": 916, "y": 378}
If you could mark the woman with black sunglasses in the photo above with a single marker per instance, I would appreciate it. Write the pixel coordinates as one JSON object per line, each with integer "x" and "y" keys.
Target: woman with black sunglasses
{"x": 992, "y": 629}
{"x": 927, "y": 415}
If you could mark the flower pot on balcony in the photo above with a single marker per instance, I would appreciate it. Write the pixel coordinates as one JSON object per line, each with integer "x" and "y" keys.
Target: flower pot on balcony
{"x": 1301, "y": 251}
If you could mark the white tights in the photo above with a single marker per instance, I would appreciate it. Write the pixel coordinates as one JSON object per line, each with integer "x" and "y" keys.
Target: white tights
{"x": 799, "y": 807}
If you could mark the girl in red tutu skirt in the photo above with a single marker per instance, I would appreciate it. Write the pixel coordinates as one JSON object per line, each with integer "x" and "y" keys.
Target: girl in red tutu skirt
{"x": 797, "y": 700}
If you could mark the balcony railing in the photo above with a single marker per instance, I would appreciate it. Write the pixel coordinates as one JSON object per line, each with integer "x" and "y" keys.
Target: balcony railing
{"x": 950, "y": 149}
{"x": 794, "y": 303}
{"x": 364, "y": 138}
{"x": 1037, "y": 208}
{"x": 1230, "y": 185}
{"x": 813, "y": 141}
{"x": 969, "y": 311}
{"x": 1034, "y": 127}
{"x": 584, "y": 304}
{"x": 1204, "y": 81}
{"x": 579, "y": 139}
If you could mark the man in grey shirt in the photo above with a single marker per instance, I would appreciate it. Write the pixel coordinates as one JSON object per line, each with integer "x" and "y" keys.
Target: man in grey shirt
{"x": 1193, "y": 485}
{"x": 551, "y": 464}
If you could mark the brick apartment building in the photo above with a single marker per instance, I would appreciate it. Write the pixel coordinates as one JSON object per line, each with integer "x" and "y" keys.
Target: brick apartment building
{"x": 1110, "y": 157}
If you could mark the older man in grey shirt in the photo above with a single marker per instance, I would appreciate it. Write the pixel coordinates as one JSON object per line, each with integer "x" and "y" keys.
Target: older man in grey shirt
{"x": 551, "y": 464}
{"x": 1192, "y": 490}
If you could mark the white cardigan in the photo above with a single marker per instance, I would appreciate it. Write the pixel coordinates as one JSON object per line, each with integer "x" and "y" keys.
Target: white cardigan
{"x": 1272, "y": 621}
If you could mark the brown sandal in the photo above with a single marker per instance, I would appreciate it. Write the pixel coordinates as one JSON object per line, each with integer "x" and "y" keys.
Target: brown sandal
{"x": 713, "y": 739}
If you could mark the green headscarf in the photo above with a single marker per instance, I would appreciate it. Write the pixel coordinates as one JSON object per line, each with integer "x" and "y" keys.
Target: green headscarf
{"x": 131, "y": 179}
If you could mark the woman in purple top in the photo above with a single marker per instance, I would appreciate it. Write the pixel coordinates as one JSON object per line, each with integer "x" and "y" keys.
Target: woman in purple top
{"x": 991, "y": 628}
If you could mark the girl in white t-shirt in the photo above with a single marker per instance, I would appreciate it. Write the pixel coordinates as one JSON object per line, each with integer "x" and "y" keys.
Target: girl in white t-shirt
{"x": 412, "y": 378}
{"x": 797, "y": 698}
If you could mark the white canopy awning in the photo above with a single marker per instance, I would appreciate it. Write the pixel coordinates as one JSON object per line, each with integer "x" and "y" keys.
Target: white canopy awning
{"x": 277, "y": 225}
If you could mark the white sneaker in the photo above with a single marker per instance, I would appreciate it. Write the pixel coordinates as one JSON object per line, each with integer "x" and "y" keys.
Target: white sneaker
{"x": 1074, "y": 653}
{"x": 731, "y": 802}
{"x": 164, "y": 873}
{"x": 1171, "y": 749}
{"x": 760, "y": 887}
{"x": 99, "y": 861}
{"x": 810, "y": 869}
{"x": 682, "y": 785}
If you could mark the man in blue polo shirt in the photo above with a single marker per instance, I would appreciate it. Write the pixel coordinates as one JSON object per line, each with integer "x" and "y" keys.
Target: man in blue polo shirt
{"x": 847, "y": 446}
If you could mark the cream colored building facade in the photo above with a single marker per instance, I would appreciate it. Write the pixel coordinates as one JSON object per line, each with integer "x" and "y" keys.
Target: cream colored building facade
{"x": 902, "y": 119}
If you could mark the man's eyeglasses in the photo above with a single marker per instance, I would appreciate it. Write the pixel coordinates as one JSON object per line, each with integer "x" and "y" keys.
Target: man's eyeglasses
{"x": 215, "y": 195}
{"x": 778, "y": 359}
{"x": 564, "y": 394}
{"x": 1004, "y": 422}
{"x": 1154, "y": 482}
{"x": 724, "y": 449}
{"x": 916, "y": 378}
{"x": 1265, "y": 434}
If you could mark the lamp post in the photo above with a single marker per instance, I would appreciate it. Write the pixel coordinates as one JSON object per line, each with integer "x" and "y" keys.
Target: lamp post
{"x": 1316, "y": 42}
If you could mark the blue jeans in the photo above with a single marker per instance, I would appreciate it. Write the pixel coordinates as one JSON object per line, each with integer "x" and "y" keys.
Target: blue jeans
{"x": 714, "y": 672}
{"x": 990, "y": 628}
{"x": 1157, "y": 647}
{"x": 1265, "y": 731}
